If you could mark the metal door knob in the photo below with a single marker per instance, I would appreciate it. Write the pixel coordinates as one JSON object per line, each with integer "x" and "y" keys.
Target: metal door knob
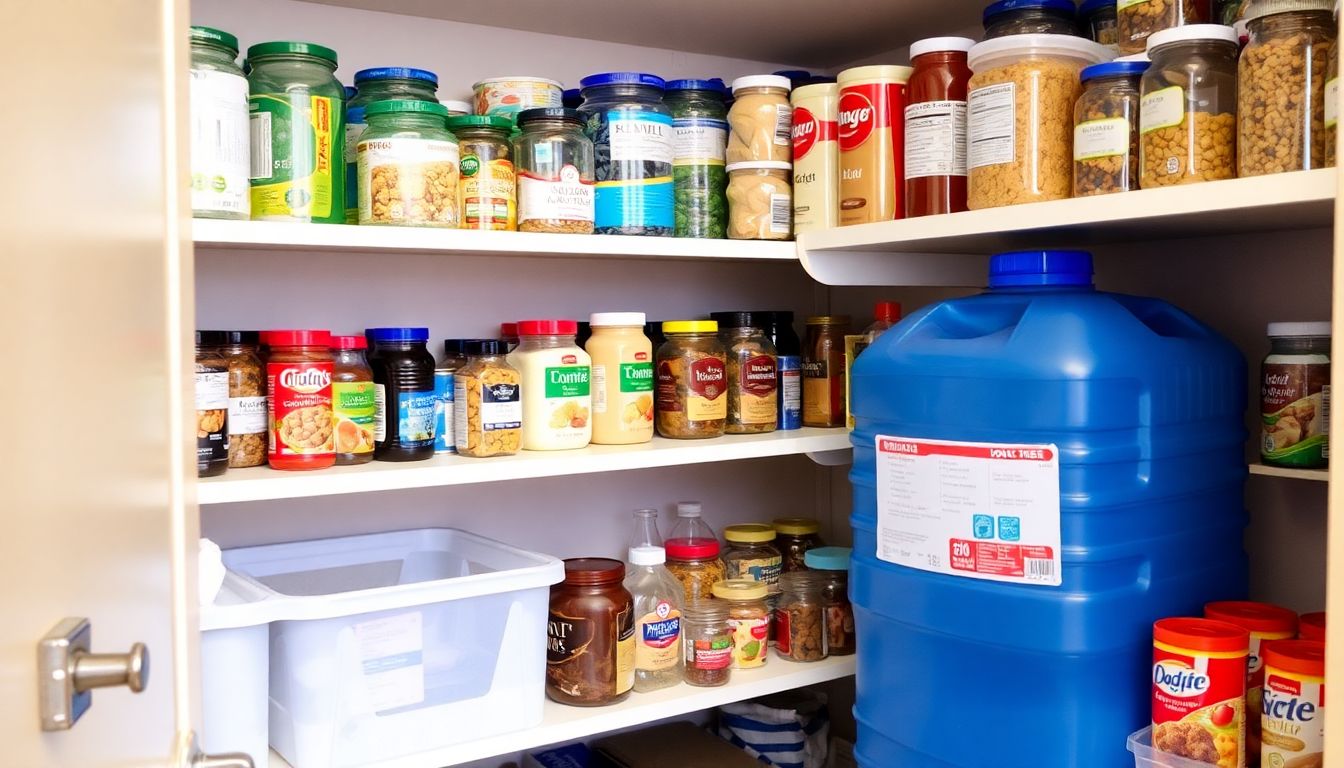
{"x": 67, "y": 672}
{"x": 107, "y": 670}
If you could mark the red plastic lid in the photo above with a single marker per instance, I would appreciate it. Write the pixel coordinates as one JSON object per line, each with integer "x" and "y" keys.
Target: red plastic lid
{"x": 1312, "y": 626}
{"x": 264, "y": 337}
{"x": 508, "y": 330}
{"x": 292, "y": 338}
{"x": 590, "y": 571}
{"x": 691, "y": 549}
{"x": 349, "y": 342}
{"x": 1305, "y": 657}
{"x": 547, "y": 327}
{"x": 1202, "y": 635}
{"x": 887, "y": 310}
{"x": 1257, "y": 617}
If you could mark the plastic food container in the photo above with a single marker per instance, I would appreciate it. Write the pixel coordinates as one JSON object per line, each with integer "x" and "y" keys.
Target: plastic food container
{"x": 1145, "y": 756}
{"x": 507, "y": 96}
{"x": 1188, "y": 115}
{"x": 1106, "y": 129}
{"x": 377, "y": 643}
{"x": 1022, "y": 17}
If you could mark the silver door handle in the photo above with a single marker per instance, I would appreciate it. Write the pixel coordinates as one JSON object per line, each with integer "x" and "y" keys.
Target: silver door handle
{"x": 68, "y": 672}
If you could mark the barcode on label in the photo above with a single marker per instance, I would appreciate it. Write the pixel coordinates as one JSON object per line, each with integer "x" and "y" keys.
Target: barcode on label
{"x": 1325, "y": 420}
{"x": 1040, "y": 569}
{"x": 781, "y": 214}
{"x": 784, "y": 125}
{"x": 260, "y": 125}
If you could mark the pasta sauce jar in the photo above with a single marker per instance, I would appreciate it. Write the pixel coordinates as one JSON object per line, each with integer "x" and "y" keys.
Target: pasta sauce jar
{"x": 590, "y": 650}
{"x": 298, "y": 408}
{"x": 1199, "y": 690}
{"x": 935, "y": 127}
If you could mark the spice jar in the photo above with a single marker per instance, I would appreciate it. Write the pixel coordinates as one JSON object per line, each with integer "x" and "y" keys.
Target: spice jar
{"x": 833, "y": 562}
{"x": 824, "y": 371}
{"x": 622, "y": 378}
{"x": 1281, "y": 77}
{"x": 935, "y": 126}
{"x": 760, "y": 200}
{"x": 691, "y": 399}
{"x": 800, "y": 617}
{"x": 488, "y": 409}
{"x": 403, "y": 378}
{"x": 1025, "y": 17}
{"x": 699, "y": 141}
{"x": 753, "y": 382}
{"x": 1100, "y": 22}
{"x": 353, "y": 400}
{"x": 707, "y": 640}
{"x": 778, "y": 328}
{"x": 378, "y": 84}
{"x": 1137, "y": 20}
{"x": 1295, "y": 396}
{"x": 1188, "y": 113}
{"x": 219, "y": 127}
{"x": 760, "y": 122}
{"x": 749, "y": 619}
{"x": 454, "y": 357}
{"x": 555, "y": 172}
{"x": 407, "y": 164}
{"x": 212, "y": 404}
{"x": 752, "y": 553}
{"x": 795, "y": 536}
{"x": 1106, "y": 129}
{"x": 557, "y": 386}
{"x": 247, "y": 399}
{"x": 486, "y": 186}
{"x": 631, "y": 130}
{"x": 816, "y": 157}
{"x": 590, "y": 632}
{"x": 298, "y": 403}
{"x": 694, "y": 561}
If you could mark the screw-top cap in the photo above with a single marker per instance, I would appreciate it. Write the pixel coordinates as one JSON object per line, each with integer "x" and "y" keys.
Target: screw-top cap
{"x": 1257, "y": 617}
{"x": 404, "y": 106}
{"x": 547, "y": 327}
{"x": 1113, "y": 69}
{"x": 237, "y": 337}
{"x": 496, "y": 122}
{"x": 377, "y": 335}
{"x": 889, "y": 311}
{"x": 484, "y": 347}
{"x": 349, "y": 342}
{"x": 828, "y": 558}
{"x": 1258, "y": 9}
{"x": 284, "y": 47}
{"x": 941, "y": 44}
{"x": 740, "y": 589}
{"x": 458, "y": 346}
{"x": 691, "y": 549}
{"x": 715, "y": 86}
{"x": 749, "y": 533}
{"x": 215, "y": 36}
{"x": 294, "y": 338}
{"x": 611, "y": 319}
{"x": 622, "y": 78}
{"x": 690, "y": 326}
{"x": 571, "y": 97}
{"x": 508, "y": 330}
{"x": 1202, "y": 635}
{"x": 737, "y": 319}
{"x": 1064, "y": 8}
{"x": 549, "y": 113}
{"x": 1315, "y": 330}
{"x": 796, "y": 526}
{"x": 395, "y": 73}
{"x": 592, "y": 571}
{"x": 1189, "y": 32}
{"x": 762, "y": 81}
{"x": 647, "y": 556}
{"x": 1302, "y": 657}
{"x": 211, "y": 338}
{"x": 1312, "y": 626}
{"x": 689, "y": 508}
{"x": 1028, "y": 268}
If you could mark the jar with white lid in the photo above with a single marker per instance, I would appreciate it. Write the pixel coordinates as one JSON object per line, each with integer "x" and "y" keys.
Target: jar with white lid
{"x": 622, "y": 386}
{"x": 1188, "y": 112}
{"x": 760, "y": 200}
{"x": 556, "y": 385}
{"x": 1295, "y": 396}
{"x": 760, "y": 122}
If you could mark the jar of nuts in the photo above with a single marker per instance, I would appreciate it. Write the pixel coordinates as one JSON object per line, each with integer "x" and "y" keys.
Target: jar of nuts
{"x": 1106, "y": 129}
{"x": 408, "y": 165}
{"x": 556, "y": 181}
{"x": 691, "y": 395}
{"x": 800, "y": 617}
{"x": 247, "y": 399}
{"x": 753, "y": 385}
{"x": 1188, "y": 112}
{"x": 489, "y": 412}
{"x": 1137, "y": 20}
{"x": 1281, "y": 86}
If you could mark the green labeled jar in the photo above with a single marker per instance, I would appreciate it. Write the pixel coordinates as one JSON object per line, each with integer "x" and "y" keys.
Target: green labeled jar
{"x": 699, "y": 141}
{"x": 407, "y": 166}
{"x": 298, "y": 131}
{"x": 380, "y": 84}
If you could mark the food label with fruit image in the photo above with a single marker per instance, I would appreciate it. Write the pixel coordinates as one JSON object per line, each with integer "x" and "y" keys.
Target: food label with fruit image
{"x": 353, "y": 405}
{"x": 299, "y": 408}
{"x": 1199, "y": 704}
{"x": 750, "y": 644}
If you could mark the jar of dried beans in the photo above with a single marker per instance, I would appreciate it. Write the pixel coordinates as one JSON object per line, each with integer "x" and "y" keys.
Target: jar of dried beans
{"x": 707, "y": 641}
{"x": 555, "y": 172}
{"x": 1106, "y": 129}
{"x": 800, "y": 620}
{"x": 691, "y": 399}
{"x": 695, "y": 563}
{"x": 247, "y": 399}
{"x": 590, "y": 650}
{"x": 1188, "y": 113}
{"x": 753, "y": 385}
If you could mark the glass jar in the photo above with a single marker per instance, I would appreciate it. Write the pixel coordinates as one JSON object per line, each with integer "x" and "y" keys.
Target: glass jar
{"x": 555, "y": 172}
{"x": 1331, "y": 108}
{"x": 691, "y": 398}
{"x": 293, "y": 91}
{"x": 795, "y": 536}
{"x": 658, "y": 626}
{"x": 1106, "y": 129}
{"x": 694, "y": 561}
{"x": 753, "y": 380}
{"x": 752, "y": 553}
{"x": 1281, "y": 77}
{"x": 381, "y": 84}
{"x": 212, "y": 405}
{"x": 590, "y": 632}
{"x": 403, "y": 377}
{"x": 699, "y": 140}
{"x": 1295, "y": 396}
{"x": 220, "y": 165}
{"x": 247, "y": 399}
{"x": 623, "y": 378}
{"x": 557, "y": 386}
{"x": 353, "y": 400}
{"x": 408, "y": 165}
{"x": 298, "y": 403}
{"x": 1188, "y": 113}
{"x": 760, "y": 200}
{"x": 1029, "y": 17}
{"x": 508, "y": 96}
{"x": 749, "y": 618}
{"x": 1099, "y": 22}
{"x": 935, "y": 127}
{"x": 800, "y": 617}
{"x": 789, "y": 362}
{"x": 1137, "y": 20}
{"x": 488, "y": 409}
{"x": 833, "y": 562}
{"x": 631, "y": 130}
{"x": 707, "y": 641}
{"x": 760, "y": 121}
{"x": 824, "y": 371}
{"x": 487, "y": 182}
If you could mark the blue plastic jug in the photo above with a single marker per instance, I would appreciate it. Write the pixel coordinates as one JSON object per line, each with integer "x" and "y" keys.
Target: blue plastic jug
{"x": 1140, "y": 409}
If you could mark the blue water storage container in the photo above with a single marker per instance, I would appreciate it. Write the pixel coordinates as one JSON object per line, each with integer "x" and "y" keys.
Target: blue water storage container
{"x": 1144, "y": 407}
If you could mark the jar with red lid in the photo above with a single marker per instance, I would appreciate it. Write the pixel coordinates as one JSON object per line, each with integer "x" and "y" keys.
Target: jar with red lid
{"x": 590, "y": 648}
{"x": 1199, "y": 666}
{"x": 298, "y": 406}
{"x": 353, "y": 400}
{"x": 935, "y": 126}
{"x": 695, "y": 563}
{"x": 1265, "y": 622}
{"x": 1312, "y": 626}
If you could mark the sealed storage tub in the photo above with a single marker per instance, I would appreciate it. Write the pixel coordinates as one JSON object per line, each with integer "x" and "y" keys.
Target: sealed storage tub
{"x": 388, "y": 644}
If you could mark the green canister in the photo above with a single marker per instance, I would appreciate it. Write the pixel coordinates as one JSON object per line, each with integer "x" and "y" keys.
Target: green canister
{"x": 378, "y": 84}
{"x": 408, "y": 165}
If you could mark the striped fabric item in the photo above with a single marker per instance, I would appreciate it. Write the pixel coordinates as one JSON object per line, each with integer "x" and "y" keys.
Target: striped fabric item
{"x": 787, "y": 732}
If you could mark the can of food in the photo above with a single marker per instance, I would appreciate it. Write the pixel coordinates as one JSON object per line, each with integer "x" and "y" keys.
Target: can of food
{"x": 870, "y": 128}
{"x": 1292, "y": 718}
{"x": 1199, "y": 690}
{"x": 816, "y": 157}
{"x": 1265, "y": 622}
{"x": 507, "y": 96}
{"x": 1311, "y": 626}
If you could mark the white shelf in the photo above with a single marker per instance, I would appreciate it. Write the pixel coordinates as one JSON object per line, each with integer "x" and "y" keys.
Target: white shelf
{"x": 829, "y": 447}
{"x": 1320, "y": 475}
{"x": 215, "y": 235}
{"x": 952, "y": 248}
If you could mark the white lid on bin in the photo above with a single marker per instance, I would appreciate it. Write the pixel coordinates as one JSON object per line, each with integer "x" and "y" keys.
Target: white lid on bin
{"x": 762, "y": 81}
{"x": 932, "y": 44}
{"x": 1079, "y": 48}
{"x": 612, "y": 319}
{"x": 752, "y": 165}
{"x": 1189, "y": 32}
{"x": 1318, "y": 329}
{"x": 647, "y": 555}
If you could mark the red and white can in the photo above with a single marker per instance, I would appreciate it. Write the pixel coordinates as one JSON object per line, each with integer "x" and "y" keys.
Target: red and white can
{"x": 1265, "y": 622}
{"x": 870, "y": 129}
{"x": 816, "y": 157}
{"x": 1292, "y": 715}
{"x": 1199, "y": 690}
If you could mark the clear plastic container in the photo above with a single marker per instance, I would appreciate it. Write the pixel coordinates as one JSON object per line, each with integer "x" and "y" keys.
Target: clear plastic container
{"x": 631, "y": 130}
{"x": 378, "y": 84}
{"x": 700, "y": 137}
{"x": 1188, "y": 112}
{"x": 1140, "y": 743}
{"x": 1029, "y": 17}
{"x": 658, "y": 599}
{"x": 623, "y": 378}
{"x": 1106, "y": 129}
{"x": 707, "y": 640}
{"x": 760, "y": 120}
{"x": 752, "y": 553}
{"x": 1100, "y": 22}
{"x": 488, "y": 410}
{"x": 1137, "y": 20}
{"x": 800, "y": 617}
{"x": 694, "y": 562}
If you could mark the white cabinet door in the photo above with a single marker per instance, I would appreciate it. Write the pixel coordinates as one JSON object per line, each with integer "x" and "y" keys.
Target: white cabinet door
{"x": 94, "y": 455}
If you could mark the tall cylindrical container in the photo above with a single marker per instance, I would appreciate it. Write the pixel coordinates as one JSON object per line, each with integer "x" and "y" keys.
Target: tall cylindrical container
{"x": 935, "y": 127}
{"x": 816, "y": 157}
{"x": 870, "y": 127}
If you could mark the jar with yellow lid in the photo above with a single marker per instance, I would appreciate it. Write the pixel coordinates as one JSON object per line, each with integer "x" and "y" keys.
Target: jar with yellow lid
{"x": 691, "y": 385}
{"x": 751, "y": 553}
{"x": 795, "y": 536}
{"x": 749, "y": 619}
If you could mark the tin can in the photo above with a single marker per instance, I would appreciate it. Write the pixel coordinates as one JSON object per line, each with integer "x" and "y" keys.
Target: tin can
{"x": 870, "y": 129}
{"x": 816, "y": 157}
{"x": 1292, "y": 717}
{"x": 1199, "y": 690}
{"x": 507, "y": 96}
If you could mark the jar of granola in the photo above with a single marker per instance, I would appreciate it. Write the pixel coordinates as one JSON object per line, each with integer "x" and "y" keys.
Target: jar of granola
{"x": 753, "y": 385}
{"x": 247, "y": 399}
{"x": 556, "y": 179}
{"x": 1106, "y": 129}
{"x": 800, "y": 620}
{"x": 707, "y": 642}
{"x": 488, "y": 412}
{"x": 691, "y": 396}
{"x": 1188, "y": 113}
{"x": 695, "y": 563}
{"x": 749, "y": 618}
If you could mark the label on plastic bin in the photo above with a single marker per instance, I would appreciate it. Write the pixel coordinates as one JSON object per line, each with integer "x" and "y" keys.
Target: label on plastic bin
{"x": 391, "y": 657}
{"x": 979, "y": 510}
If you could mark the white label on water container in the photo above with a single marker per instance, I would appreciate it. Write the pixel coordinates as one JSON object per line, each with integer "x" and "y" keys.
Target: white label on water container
{"x": 391, "y": 654}
{"x": 979, "y": 510}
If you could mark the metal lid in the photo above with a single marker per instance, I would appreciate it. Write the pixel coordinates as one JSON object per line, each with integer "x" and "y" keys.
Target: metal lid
{"x": 749, "y": 533}
{"x": 740, "y": 589}
{"x": 690, "y": 326}
{"x": 1316, "y": 330}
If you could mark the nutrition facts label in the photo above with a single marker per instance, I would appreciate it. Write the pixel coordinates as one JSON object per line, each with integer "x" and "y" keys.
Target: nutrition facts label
{"x": 979, "y": 510}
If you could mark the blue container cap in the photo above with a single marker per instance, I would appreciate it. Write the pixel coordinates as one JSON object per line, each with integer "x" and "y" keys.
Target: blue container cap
{"x": 793, "y": 74}
{"x": 1036, "y": 268}
{"x": 349, "y": 92}
{"x": 827, "y": 558}
{"x": 1063, "y": 7}
{"x": 623, "y": 78}
{"x": 1089, "y": 7}
{"x": 713, "y": 84}
{"x": 354, "y": 115}
{"x": 395, "y": 73}
{"x": 1112, "y": 68}
{"x": 571, "y": 97}
{"x": 376, "y": 335}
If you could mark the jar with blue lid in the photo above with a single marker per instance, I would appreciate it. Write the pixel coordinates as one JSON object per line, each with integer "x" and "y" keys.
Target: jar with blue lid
{"x": 833, "y": 563}
{"x": 699, "y": 141}
{"x": 378, "y": 84}
{"x": 404, "y": 395}
{"x": 1106, "y": 129}
{"x": 1028, "y": 17}
{"x": 631, "y": 130}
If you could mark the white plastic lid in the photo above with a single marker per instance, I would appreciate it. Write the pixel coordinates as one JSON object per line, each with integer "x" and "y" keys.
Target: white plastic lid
{"x": 1317, "y": 329}
{"x": 894, "y": 73}
{"x": 932, "y": 44}
{"x": 1262, "y": 8}
{"x": 1189, "y": 32}
{"x": 688, "y": 509}
{"x": 517, "y": 79}
{"x": 1017, "y": 46}
{"x": 762, "y": 81}
{"x": 647, "y": 555}
{"x": 457, "y": 106}
{"x": 1134, "y": 57}
{"x": 749, "y": 165}
{"x": 609, "y": 319}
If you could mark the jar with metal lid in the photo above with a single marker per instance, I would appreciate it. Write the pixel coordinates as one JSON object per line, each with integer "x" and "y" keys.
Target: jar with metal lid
{"x": 247, "y": 399}
{"x": 408, "y": 166}
{"x": 220, "y": 164}
{"x": 1295, "y": 396}
{"x": 800, "y": 617}
{"x": 935, "y": 126}
{"x": 403, "y": 377}
{"x": 833, "y": 562}
{"x": 631, "y": 130}
{"x": 293, "y": 91}
{"x": 299, "y": 416}
{"x": 1100, "y": 23}
{"x": 487, "y": 181}
{"x": 707, "y": 643}
{"x": 749, "y": 617}
{"x": 752, "y": 553}
{"x": 760, "y": 122}
{"x": 795, "y": 536}
{"x": 212, "y": 404}
{"x": 1029, "y": 17}
{"x": 778, "y": 328}
{"x": 691, "y": 386}
{"x": 354, "y": 403}
{"x": 824, "y": 371}
{"x": 1281, "y": 76}
{"x": 753, "y": 381}
{"x": 760, "y": 200}
{"x": 699, "y": 141}
{"x": 694, "y": 561}
{"x": 1137, "y": 20}
{"x": 556, "y": 181}
{"x": 488, "y": 408}
{"x": 1106, "y": 129}
{"x": 380, "y": 84}
{"x": 590, "y": 631}
{"x": 1188, "y": 111}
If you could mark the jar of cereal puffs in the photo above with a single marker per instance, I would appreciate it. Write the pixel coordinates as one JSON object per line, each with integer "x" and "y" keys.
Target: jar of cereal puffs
{"x": 489, "y": 409}
{"x": 408, "y": 165}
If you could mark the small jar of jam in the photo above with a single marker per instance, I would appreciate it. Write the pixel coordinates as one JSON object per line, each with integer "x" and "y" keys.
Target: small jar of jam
{"x": 590, "y": 649}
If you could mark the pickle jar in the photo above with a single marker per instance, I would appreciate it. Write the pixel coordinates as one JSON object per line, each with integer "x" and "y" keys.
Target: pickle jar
{"x": 1188, "y": 111}
{"x": 691, "y": 389}
{"x": 487, "y": 179}
{"x": 1029, "y": 17}
{"x": 753, "y": 383}
{"x": 408, "y": 165}
{"x": 752, "y": 553}
{"x": 833, "y": 562}
{"x": 1106, "y": 129}
{"x": 1138, "y": 20}
{"x": 795, "y": 536}
{"x": 590, "y": 631}
{"x": 1281, "y": 77}
{"x": 556, "y": 180}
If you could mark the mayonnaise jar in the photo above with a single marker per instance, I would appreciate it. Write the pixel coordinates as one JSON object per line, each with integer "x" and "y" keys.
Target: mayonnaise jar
{"x": 556, "y": 385}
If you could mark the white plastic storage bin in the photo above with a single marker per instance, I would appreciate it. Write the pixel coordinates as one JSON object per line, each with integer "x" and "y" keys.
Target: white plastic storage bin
{"x": 396, "y": 643}
{"x": 1141, "y": 744}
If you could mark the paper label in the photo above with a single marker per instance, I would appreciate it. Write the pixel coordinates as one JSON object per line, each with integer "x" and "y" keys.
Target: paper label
{"x": 568, "y": 198}
{"x": 1331, "y": 102}
{"x": 1095, "y": 139}
{"x": 790, "y": 391}
{"x": 935, "y": 139}
{"x": 640, "y": 137}
{"x": 407, "y": 181}
{"x": 443, "y": 412}
{"x": 750, "y": 642}
{"x": 992, "y": 130}
{"x": 391, "y": 655}
{"x": 658, "y": 638}
{"x": 699, "y": 141}
{"x": 247, "y": 415}
{"x": 415, "y": 418}
{"x": 354, "y": 403}
{"x": 1292, "y": 720}
{"x": 1162, "y": 109}
{"x": 220, "y": 162}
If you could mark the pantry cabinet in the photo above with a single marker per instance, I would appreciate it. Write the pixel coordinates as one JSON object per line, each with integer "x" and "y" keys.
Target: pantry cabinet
{"x": 105, "y": 288}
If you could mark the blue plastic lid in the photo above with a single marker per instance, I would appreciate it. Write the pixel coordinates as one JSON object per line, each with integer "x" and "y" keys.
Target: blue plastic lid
{"x": 349, "y": 92}
{"x": 827, "y": 558}
{"x": 623, "y": 78}
{"x": 354, "y": 115}
{"x": 1089, "y": 7}
{"x": 1027, "y": 268}
{"x": 395, "y": 73}
{"x": 571, "y": 97}
{"x": 1111, "y": 68}
{"x": 713, "y": 84}
{"x": 376, "y": 335}
{"x": 1063, "y": 7}
{"x": 793, "y": 74}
